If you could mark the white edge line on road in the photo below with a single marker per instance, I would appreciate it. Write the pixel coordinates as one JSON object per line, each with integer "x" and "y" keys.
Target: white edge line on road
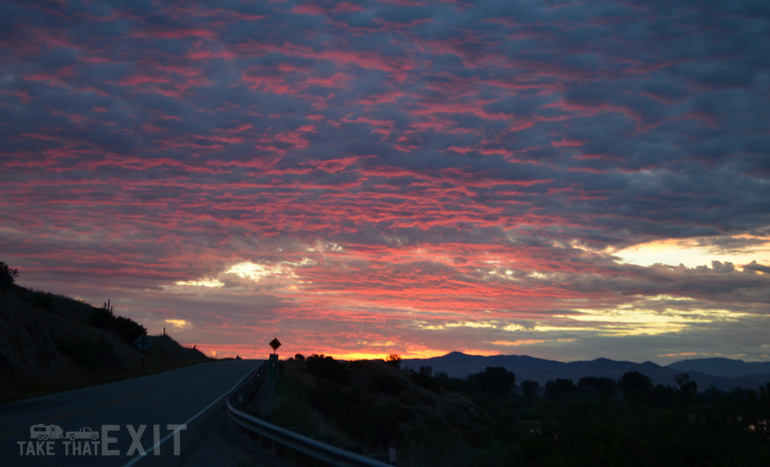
{"x": 168, "y": 436}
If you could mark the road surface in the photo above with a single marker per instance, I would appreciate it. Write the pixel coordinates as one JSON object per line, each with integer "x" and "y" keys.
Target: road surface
{"x": 179, "y": 413}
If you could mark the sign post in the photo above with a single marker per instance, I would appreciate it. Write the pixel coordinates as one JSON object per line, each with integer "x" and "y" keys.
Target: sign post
{"x": 272, "y": 373}
{"x": 272, "y": 367}
{"x": 143, "y": 343}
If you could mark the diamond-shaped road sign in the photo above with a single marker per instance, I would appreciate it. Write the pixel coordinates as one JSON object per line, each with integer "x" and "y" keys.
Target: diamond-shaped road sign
{"x": 275, "y": 343}
{"x": 143, "y": 342}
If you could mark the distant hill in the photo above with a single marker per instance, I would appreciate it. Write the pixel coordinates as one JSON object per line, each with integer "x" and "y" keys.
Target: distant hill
{"x": 722, "y": 367}
{"x": 460, "y": 365}
{"x": 50, "y": 342}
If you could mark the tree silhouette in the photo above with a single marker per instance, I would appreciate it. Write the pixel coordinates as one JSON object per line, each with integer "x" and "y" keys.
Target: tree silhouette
{"x": 425, "y": 379}
{"x": 686, "y": 386}
{"x": 128, "y": 329}
{"x": 324, "y": 366}
{"x": 603, "y": 387}
{"x": 7, "y": 276}
{"x": 496, "y": 381}
{"x": 394, "y": 359}
{"x": 635, "y": 387}
{"x": 529, "y": 388}
{"x": 560, "y": 389}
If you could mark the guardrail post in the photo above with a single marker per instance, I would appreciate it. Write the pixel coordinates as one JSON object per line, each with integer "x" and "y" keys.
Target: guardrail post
{"x": 271, "y": 391}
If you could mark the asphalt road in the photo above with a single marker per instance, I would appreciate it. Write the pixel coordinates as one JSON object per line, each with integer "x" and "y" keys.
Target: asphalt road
{"x": 173, "y": 418}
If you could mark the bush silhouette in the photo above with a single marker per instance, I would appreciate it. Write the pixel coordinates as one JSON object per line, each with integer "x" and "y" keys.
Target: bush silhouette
{"x": 686, "y": 386}
{"x": 635, "y": 387}
{"x": 593, "y": 385}
{"x": 560, "y": 389}
{"x": 326, "y": 367}
{"x": 7, "y": 276}
{"x": 394, "y": 359}
{"x": 496, "y": 381}
{"x": 529, "y": 388}
{"x": 425, "y": 380}
{"x": 93, "y": 354}
{"x": 128, "y": 329}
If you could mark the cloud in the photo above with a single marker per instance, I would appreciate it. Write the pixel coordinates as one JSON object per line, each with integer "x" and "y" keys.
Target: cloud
{"x": 368, "y": 168}
{"x": 753, "y": 266}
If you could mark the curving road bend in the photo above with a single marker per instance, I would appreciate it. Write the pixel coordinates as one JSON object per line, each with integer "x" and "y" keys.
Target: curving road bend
{"x": 171, "y": 418}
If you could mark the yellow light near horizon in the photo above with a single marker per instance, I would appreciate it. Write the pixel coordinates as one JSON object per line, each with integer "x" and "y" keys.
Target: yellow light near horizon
{"x": 464, "y": 324}
{"x": 519, "y": 342}
{"x": 178, "y": 323}
{"x": 679, "y": 354}
{"x": 381, "y": 356}
{"x": 630, "y": 321}
{"x": 259, "y": 271}
{"x": 211, "y": 283}
{"x": 248, "y": 270}
{"x": 471, "y": 324}
{"x": 692, "y": 253}
{"x": 357, "y": 356}
{"x": 478, "y": 352}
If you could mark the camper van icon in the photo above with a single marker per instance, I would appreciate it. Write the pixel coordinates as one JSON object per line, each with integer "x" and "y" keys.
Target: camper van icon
{"x": 45, "y": 432}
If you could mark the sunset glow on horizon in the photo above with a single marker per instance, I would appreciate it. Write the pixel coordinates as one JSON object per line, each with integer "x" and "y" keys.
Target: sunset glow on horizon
{"x": 566, "y": 180}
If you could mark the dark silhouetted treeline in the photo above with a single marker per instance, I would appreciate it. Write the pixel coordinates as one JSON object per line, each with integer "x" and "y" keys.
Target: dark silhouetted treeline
{"x": 493, "y": 381}
{"x": 646, "y": 425}
{"x": 485, "y": 419}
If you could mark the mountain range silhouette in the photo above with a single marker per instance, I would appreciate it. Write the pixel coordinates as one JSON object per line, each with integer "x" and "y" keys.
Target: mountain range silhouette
{"x": 721, "y": 373}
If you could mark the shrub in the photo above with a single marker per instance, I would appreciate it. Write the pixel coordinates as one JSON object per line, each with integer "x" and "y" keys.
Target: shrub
{"x": 603, "y": 387}
{"x": 93, "y": 354}
{"x": 560, "y": 389}
{"x": 393, "y": 359}
{"x": 529, "y": 388}
{"x": 387, "y": 384}
{"x": 424, "y": 380}
{"x": 7, "y": 276}
{"x": 326, "y": 367}
{"x": 635, "y": 387}
{"x": 128, "y": 329}
{"x": 496, "y": 381}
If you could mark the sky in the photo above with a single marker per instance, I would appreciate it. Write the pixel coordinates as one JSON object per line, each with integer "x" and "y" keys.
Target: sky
{"x": 562, "y": 179}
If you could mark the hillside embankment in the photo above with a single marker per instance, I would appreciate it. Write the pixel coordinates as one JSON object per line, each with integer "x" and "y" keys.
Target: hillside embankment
{"x": 424, "y": 419}
{"x": 379, "y": 410}
{"x": 50, "y": 343}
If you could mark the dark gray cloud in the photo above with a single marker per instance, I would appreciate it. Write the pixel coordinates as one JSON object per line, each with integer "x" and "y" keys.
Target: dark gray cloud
{"x": 451, "y": 159}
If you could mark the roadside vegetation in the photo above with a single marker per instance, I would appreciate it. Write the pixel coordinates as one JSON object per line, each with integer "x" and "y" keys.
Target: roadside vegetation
{"x": 50, "y": 343}
{"x": 487, "y": 419}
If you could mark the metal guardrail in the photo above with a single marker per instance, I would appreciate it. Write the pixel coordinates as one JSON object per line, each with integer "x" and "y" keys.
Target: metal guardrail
{"x": 308, "y": 446}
